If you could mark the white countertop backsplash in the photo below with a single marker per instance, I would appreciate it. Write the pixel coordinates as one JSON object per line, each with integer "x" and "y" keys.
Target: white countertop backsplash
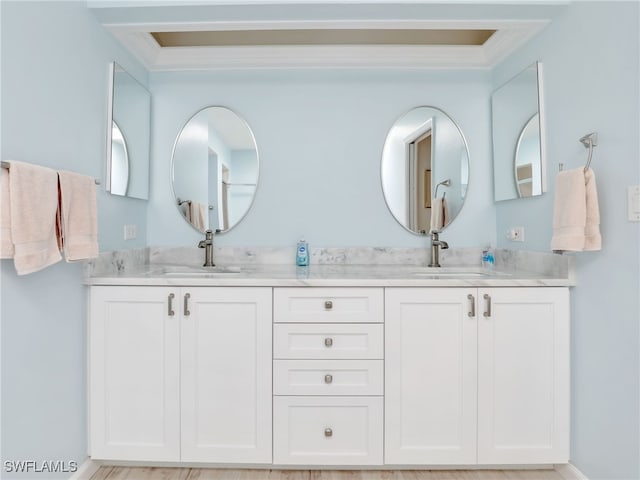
{"x": 366, "y": 266}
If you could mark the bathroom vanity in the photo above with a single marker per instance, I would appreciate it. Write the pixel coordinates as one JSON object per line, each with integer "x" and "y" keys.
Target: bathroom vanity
{"x": 331, "y": 366}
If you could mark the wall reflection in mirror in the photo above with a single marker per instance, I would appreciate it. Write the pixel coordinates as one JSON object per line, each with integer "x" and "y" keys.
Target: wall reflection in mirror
{"x": 518, "y": 143}
{"x": 128, "y": 136}
{"x": 214, "y": 171}
{"x": 425, "y": 170}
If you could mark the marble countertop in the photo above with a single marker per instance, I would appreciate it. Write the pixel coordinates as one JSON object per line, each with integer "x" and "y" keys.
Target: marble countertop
{"x": 278, "y": 275}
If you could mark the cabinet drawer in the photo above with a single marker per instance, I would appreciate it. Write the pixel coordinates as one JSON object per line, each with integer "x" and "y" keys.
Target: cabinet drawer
{"x": 328, "y": 341}
{"x": 331, "y": 305}
{"x": 328, "y": 430}
{"x": 328, "y": 377}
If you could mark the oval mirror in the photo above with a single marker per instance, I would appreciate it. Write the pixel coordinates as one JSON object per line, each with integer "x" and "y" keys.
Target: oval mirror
{"x": 214, "y": 169}
{"x": 425, "y": 170}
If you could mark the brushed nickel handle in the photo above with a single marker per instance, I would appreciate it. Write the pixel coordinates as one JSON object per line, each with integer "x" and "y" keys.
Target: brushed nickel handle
{"x": 170, "y": 310}
{"x": 328, "y": 432}
{"x": 328, "y": 378}
{"x": 487, "y": 303}
{"x": 472, "y": 306}
{"x": 328, "y": 342}
{"x": 328, "y": 305}
{"x": 187, "y": 296}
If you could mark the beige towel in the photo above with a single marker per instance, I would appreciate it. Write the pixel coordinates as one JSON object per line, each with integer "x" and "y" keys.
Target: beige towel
{"x": 198, "y": 215}
{"x": 592, "y": 237}
{"x": 78, "y": 216}
{"x": 33, "y": 196}
{"x": 6, "y": 249}
{"x": 576, "y": 219}
{"x": 439, "y": 214}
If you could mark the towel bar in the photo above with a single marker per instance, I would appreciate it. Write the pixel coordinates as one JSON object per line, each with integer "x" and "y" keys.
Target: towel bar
{"x": 589, "y": 141}
{"x": 4, "y": 164}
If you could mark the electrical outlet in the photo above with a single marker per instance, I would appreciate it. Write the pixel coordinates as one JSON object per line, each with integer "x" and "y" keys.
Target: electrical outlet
{"x": 516, "y": 234}
{"x": 130, "y": 232}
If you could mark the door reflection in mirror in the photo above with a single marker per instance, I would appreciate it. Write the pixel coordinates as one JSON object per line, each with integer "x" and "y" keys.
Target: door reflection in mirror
{"x": 214, "y": 169}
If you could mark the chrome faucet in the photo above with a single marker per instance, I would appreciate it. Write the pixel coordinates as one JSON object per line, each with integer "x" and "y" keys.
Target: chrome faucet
{"x": 207, "y": 244}
{"x": 436, "y": 245}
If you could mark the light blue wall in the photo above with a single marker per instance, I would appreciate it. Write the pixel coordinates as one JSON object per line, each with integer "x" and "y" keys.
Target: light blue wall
{"x": 590, "y": 58}
{"x": 55, "y": 60}
{"x": 320, "y": 135}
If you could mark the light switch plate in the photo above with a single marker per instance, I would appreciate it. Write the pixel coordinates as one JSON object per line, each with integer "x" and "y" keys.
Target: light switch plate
{"x": 633, "y": 203}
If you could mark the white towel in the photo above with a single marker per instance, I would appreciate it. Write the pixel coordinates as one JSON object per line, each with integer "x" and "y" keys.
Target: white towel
{"x": 78, "y": 216}
{"x": 576, "y": 218}
{"x": 439, "y": 214}
{"x": 33, "y": 197}
{"x": 6, "y": 249}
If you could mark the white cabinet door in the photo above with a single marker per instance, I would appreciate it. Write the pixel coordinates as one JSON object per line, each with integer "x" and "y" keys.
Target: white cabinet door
{"x": 134, "y": 383}
{"x": 523, "y": 383}
{"x": 430, "y": 376}
{"x": 226, "y": 375}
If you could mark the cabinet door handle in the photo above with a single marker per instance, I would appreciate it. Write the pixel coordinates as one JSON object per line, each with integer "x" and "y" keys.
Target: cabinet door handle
{"x": 328, "y": 305}
{"x": 187, "y": 296}
{"x": 328, "y": 378}
{"x": 328, "y": 432}
{"x": 170, "y": 310}
{"x": 328, "y": 342}
{"x": 472, "y": 306}
{"x": 487, "y": 305}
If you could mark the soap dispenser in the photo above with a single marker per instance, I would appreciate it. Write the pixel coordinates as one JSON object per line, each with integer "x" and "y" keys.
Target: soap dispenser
{"x": 302, "y": 253}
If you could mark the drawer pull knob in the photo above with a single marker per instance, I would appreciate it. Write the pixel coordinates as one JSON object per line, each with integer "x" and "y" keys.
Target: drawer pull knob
{"x": 328, "y": 432}
{"x": 328, "y": 378}
{"x": 328, "y": 342}
{"x": 328, "y": 305}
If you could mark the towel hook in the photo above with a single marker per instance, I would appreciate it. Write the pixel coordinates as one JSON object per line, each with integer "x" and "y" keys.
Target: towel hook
{"x": 589, "y": 141}
{"x": 446, "y": 183}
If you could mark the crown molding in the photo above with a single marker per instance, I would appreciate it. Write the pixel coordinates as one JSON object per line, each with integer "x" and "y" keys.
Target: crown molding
{"x": 509, "y": 36}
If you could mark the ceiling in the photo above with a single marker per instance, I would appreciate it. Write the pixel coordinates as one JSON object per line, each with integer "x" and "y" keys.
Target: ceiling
{"x": 209, "y": 35}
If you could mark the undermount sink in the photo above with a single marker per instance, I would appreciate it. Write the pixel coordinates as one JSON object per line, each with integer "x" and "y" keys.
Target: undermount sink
{"x": 186, "y": 271}
{"x": 461, "y": 272}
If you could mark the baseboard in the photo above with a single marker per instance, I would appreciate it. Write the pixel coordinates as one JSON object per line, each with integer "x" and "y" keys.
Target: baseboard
{"x": 570, "y": 472}
{"x": 86, "y": 470}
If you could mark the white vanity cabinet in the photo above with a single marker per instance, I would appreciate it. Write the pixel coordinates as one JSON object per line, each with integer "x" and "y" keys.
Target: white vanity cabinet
{"x": 476, "y": 376}
{"x": 180, "y": 374}
{"x": 328, "y": 376}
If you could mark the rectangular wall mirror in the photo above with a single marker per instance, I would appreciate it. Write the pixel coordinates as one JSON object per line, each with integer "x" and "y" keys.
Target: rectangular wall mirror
{"x": 518, "y": 140}
{"x": 128, "y": 135}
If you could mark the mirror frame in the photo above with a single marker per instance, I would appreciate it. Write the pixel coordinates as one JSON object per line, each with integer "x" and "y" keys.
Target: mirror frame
{"x": 113, "y": 68}
{"x": 466, "y": 146}
{"x": 172, "y": 168}
{"x": 537, "y": 65}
